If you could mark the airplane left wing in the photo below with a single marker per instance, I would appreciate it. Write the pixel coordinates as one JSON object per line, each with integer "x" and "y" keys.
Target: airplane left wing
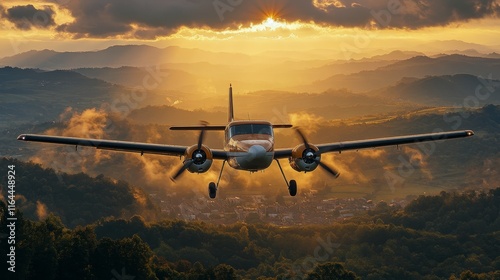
{"x": 380, "y": 142}
{"x": 107, "y": 144}
{"x": 124, "y": 146}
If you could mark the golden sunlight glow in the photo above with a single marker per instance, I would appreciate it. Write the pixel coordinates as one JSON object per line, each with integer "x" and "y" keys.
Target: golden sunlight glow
{"x": 268, "y": 28}
{"x": 272, "y": 31}
{"x": 270, "y": 23}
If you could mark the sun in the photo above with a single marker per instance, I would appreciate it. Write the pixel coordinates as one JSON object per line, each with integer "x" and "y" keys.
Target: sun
{"x": 271, "y": 24}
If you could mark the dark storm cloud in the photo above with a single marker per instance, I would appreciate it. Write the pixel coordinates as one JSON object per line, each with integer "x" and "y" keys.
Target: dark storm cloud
{"x": 427, "y": 13}
{"x": 26, "y": 17}
{"x": 151, "y": 18}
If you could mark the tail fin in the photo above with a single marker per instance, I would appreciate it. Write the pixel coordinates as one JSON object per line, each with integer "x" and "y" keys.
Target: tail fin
{"x": 230, "y": 116}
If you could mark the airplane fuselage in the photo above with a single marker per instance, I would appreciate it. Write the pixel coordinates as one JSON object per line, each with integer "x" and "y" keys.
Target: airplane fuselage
{"x": 255, "y": 139}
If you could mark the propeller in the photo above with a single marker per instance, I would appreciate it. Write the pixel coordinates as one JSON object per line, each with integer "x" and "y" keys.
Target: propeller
{"x": 183, "y": 168}
{"x": 199, "y": 156}
{"x": 310, "y": 155}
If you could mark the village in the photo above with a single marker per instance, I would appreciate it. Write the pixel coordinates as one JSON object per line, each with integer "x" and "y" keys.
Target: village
{"x": 309, "y": 208}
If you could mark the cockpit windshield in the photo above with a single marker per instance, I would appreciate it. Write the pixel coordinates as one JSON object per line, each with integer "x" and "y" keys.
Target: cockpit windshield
{"x": 250, "y": 129}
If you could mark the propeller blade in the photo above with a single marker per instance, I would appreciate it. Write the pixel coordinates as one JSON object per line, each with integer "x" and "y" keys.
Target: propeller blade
{"x": 303, "y": 137}
{"x": 330, "y": 170}
{"x": 202, "y": 134}
{"x": 183, "y": 168}
{"x": 200, "y": 138}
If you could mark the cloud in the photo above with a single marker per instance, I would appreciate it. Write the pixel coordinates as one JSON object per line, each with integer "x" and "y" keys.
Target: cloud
{"x": 90, "y": 123}
{"x": 306, "y": 121}
{"x": 418, "y": 160}
{"x": 28, "y": 17}
{"x": 153, "y": 18}
{"x": 426, "y": 13}
{"x": 353, "y": 166}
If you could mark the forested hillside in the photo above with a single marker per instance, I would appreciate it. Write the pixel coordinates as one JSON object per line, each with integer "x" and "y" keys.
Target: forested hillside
{"x": 452, "y": 235}
{"x": 77, "y": 199}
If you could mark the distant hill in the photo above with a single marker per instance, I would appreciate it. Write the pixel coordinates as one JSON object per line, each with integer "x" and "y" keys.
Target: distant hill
{"x": 332, "y": 104}
{"x": 494, "y": 55}
{"x": 469, "y": 52}
{"x": 117, "y": 56}
{"x": 446, "y": 90}
{"x": 9, "y": 76}
{"x": 418, "y": 67}
{"x": 32, "y": 95}
{"x": 78, "y": 199}
{"x": 355, "y": 66}
{"x": 455, "y": 45}
{"x": 162, "y": 79}
{"x": 173, "y": 116}
{"x": 396, "y": 55}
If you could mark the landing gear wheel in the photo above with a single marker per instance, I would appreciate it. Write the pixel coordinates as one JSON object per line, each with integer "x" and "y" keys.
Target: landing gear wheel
{"x": 212, "y": 190}
{"x": 292, "y": 188}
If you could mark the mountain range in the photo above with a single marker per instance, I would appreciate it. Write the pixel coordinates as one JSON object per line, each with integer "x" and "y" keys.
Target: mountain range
{"x": 117, "y": 56}
{"x": 446, "y": 90}
{"x": 145, "y": 55}
{"x": 196, "y": 71}
{"x": 38, "y": 95}
{"x": 419, "y": 67}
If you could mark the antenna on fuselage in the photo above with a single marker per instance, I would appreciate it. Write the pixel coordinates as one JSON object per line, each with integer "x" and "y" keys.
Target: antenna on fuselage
{"x": 230, "y": 117}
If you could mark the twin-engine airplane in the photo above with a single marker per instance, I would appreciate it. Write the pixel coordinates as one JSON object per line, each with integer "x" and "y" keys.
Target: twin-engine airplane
{"x": 248, "y": 145}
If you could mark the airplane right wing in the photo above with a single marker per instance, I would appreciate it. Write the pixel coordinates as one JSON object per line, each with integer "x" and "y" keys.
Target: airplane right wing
{"x": 380, "y": 142}
{"x": 391, "y": 141}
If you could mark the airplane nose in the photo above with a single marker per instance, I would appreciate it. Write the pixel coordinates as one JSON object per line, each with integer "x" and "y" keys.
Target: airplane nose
{"x": 257, "y": 151}
{"x": 256, "y": 158}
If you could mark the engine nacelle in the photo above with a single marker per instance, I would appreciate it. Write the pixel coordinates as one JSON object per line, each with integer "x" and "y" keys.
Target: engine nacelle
{"x": 202, "y": 158}
{"x": 304, "y": 159}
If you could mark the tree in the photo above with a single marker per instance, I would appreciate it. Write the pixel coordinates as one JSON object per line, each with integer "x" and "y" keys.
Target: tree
{"x": 130, "y": 256}
{"x": 253, "y": 218}
{"x": 244, "y": 233}
{"x": 44, "y": 259}
{"x": 329, "y": 271}
{"x": 75, "y": 254}
{"x": 224, "y": 272}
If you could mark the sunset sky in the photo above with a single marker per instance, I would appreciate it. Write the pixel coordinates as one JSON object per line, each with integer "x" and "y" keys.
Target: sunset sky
{"x": 244, "y": 25}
